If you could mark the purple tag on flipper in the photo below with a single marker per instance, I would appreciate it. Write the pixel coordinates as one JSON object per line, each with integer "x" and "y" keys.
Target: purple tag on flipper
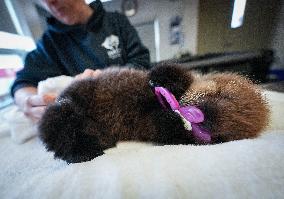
{"x": 192, "y": 114}
{"x": 168, "y": 96}
{"x": 200, "y": 133}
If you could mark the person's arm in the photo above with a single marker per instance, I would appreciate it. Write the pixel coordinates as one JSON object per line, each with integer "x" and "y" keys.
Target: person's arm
{"x": 137, "y": 54}
{"x": 34, "y": 105}
{"x": 39, "y": 65}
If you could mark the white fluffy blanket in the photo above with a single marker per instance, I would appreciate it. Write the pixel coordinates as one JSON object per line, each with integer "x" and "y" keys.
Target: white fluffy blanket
{"x": 239, "y": 169}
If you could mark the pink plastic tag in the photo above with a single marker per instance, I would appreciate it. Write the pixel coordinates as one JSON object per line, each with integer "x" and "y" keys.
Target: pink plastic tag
{"x": 170, "y": 98}
{"x": 192, "y": 114}
{"x": 201, "y": 134}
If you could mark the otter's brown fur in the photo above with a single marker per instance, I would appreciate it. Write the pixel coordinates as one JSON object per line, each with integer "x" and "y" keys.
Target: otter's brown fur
{"x": 92, "y": 115}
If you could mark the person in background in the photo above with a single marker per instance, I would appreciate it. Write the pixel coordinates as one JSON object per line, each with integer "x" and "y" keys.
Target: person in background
{"x": 80, "y": 40}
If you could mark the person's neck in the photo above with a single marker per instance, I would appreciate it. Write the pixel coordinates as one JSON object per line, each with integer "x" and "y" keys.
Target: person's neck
{"x": 87, "y": 12}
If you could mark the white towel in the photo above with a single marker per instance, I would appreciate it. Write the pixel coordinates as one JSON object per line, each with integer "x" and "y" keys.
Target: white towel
{"x": 250, "y": 168}
{"x": 54, "y": 84}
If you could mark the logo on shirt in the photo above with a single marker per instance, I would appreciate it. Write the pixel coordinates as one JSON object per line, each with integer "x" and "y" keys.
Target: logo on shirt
{"x": 111, "y": 44}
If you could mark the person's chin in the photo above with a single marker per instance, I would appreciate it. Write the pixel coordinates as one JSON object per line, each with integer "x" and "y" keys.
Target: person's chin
{"x": 68, "y": 21}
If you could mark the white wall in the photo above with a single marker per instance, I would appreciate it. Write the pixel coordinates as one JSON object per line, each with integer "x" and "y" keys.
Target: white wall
{"x": 278, "y": 38}
{"x": 191, "y": 24}
{"x": 163, "y": 10}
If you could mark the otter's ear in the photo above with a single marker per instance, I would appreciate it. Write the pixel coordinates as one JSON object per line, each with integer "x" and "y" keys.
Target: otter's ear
{"x": 174, "y": 77}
